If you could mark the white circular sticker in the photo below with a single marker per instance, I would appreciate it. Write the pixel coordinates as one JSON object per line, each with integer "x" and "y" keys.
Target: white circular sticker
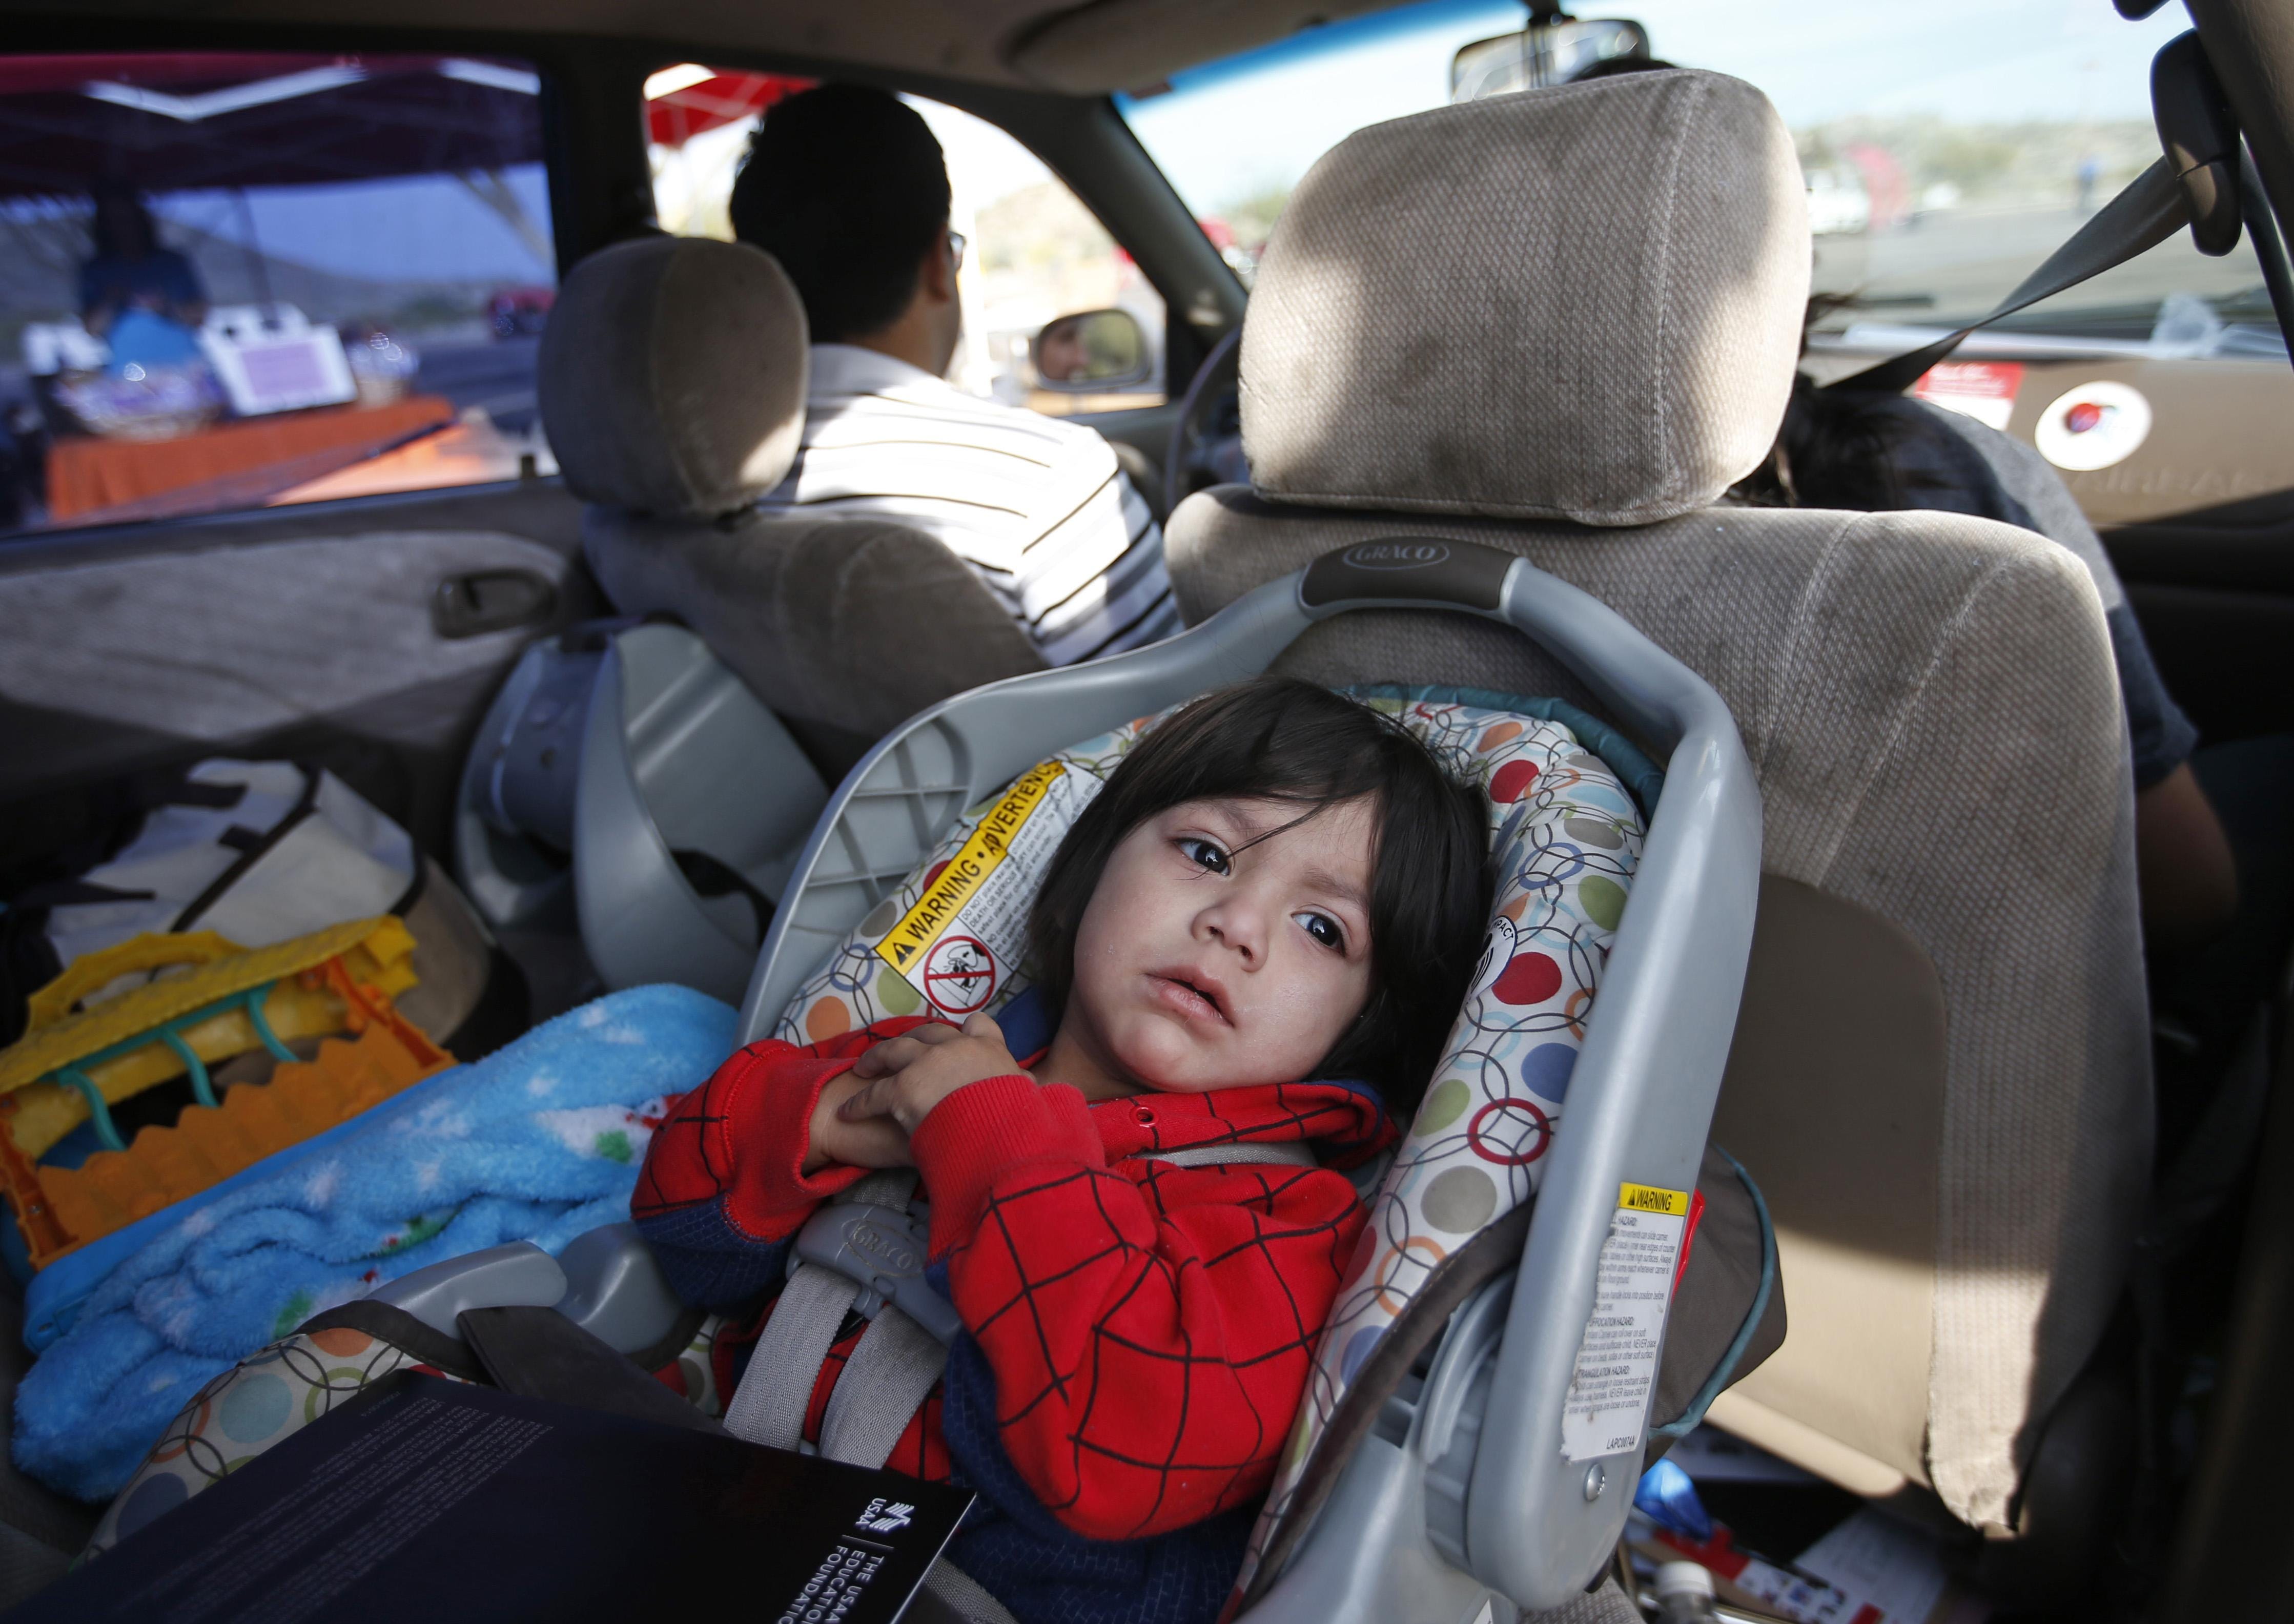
{"x": 2093, "y": 426}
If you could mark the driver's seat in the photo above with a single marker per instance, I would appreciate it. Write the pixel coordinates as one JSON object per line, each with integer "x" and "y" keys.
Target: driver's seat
{"x": 673, "y": 387}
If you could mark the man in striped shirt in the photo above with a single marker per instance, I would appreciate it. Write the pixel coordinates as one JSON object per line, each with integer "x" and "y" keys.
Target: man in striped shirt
{"x": 846, "y": 186}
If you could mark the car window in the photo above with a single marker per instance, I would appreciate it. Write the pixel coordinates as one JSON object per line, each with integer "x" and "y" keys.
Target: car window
{"x": 237, "y": 280}
{"x": 1948, "y": 147}
{"x": 1034, "y": 253}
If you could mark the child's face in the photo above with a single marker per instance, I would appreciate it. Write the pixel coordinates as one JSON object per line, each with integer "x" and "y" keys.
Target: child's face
{"x": 1206, "y": 961}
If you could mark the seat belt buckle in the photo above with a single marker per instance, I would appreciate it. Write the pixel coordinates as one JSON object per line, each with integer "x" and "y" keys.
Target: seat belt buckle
{"x": 884, "y": 1250}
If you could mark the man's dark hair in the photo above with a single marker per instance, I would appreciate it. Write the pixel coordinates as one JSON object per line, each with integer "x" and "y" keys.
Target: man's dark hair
{"x": 1276, "y": 738}
{"x": 846, "y": 187}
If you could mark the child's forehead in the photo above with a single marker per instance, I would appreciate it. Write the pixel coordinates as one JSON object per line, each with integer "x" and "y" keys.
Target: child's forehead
{"x": 1337, "y": 834}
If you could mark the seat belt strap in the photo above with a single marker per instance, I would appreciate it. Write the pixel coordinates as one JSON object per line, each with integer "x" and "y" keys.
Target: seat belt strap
{"x": 884, "y": 1383}
{"x": 2149, "y": 210}
{"x": 769, "y": 1406}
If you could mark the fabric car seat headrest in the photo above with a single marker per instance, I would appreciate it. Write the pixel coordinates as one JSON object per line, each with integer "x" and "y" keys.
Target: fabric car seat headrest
{"x": 672, "y": 377}
{"x": 1582, "y": 303}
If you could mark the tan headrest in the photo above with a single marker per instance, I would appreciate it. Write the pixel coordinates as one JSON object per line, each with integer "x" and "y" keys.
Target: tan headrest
{"x": 1582, "y": 303}
{"x": 672, "y": 377}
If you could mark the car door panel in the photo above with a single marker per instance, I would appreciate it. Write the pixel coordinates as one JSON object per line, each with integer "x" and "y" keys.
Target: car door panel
{"x": 2215, "y": 592}
{"x": 293, "y": 632}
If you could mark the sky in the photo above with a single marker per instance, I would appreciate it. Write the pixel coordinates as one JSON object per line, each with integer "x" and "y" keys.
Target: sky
{"x": 1226, "y": 132}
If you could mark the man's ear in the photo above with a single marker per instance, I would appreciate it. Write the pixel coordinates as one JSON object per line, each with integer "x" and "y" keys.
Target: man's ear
{"x": 936, "y": 277}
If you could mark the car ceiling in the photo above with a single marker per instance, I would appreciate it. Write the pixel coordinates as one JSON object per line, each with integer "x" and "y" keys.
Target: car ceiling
{"x": 1086, "y": 50}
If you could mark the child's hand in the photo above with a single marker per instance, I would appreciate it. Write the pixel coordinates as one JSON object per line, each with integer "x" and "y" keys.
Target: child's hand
{"x": 875, "y": 1141}
{"x": 903, "y": 1077}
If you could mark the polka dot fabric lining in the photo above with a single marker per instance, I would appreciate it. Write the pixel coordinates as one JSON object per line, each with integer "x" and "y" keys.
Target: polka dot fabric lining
{"x": 264, "y": 1399}
{"x": 1565, "y": 839}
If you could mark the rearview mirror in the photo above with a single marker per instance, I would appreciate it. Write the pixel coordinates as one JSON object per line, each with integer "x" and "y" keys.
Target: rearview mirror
{"x": 1544, "y": 53}
{"x": 1095, "y": 351}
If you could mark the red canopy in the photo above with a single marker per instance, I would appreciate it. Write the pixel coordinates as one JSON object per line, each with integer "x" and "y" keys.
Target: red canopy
{"x": 27, "y": 75}
{"x": 678, "y": 116}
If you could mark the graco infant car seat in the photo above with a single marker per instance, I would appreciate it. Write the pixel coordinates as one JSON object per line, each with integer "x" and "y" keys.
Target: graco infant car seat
{"x": 1451, "y": 1393}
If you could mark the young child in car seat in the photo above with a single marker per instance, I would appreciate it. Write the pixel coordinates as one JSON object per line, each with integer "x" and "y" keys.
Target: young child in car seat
{"x": 1259, "y": 931}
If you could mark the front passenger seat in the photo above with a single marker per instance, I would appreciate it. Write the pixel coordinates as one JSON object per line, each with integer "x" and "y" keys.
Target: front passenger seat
{"x": 673, "y": 389}
{"x": 1563, "y": 323}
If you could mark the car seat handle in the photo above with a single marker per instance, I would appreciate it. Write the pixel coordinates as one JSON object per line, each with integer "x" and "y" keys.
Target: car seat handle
{"x": 1419, "y": 570}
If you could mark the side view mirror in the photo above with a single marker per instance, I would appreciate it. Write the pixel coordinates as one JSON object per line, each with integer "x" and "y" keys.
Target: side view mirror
{"x": 1549, "y": 52}
{"x": 1093, "y": 351}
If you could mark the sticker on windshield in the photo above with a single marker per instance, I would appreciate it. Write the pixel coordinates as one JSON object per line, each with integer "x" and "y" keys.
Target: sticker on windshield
{"x": 1984, "y": 390}
{"x": 2093, "y": 426}
{"x": 1608, "y": 1402}
{"x": 968, "y": 931}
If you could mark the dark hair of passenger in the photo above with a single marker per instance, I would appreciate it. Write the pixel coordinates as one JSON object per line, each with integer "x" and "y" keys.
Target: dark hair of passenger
{"x": 1835, "y": 448}
{"x": 120, "y": 225}
{"x": 1276, "y": 738}
{"x": 846, "y": 187}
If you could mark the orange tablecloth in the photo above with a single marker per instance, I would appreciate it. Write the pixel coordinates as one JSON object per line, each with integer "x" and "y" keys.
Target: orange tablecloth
{"x": 86, "y": 475}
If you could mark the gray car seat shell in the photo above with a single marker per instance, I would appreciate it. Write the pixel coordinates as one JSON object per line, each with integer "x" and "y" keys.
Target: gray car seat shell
{"x": 1928, "y": 702}
{"x": 672, "y": 383}
{"x": 680, "y": 797}
{"x": 1641, "y": 1095}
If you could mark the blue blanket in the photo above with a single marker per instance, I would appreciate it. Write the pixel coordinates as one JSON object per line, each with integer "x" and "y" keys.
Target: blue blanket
{"x": 538, "y": 1142}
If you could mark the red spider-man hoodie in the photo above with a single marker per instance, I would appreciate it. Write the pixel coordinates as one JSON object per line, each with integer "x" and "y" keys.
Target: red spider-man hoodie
{"x": 1138, "y": 1333}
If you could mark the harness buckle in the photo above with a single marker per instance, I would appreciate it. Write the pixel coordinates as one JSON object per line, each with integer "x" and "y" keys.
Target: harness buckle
{"x": 884, "y": 1249}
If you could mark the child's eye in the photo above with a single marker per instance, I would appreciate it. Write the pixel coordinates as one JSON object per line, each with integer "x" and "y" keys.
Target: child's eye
{"x": 1324, "y": 929}
{"x": 1204, "y": 854}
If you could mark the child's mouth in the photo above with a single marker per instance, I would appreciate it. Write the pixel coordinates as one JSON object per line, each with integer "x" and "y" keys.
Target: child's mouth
{"x": 1189, "y": 997}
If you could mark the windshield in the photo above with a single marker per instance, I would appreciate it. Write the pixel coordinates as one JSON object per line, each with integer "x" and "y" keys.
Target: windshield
{"x": 1948, "y": 147}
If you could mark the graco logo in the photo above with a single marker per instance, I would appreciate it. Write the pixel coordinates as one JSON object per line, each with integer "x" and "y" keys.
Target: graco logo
{"x": 1397, "y": 554}
{"x": 886, "y": 1251}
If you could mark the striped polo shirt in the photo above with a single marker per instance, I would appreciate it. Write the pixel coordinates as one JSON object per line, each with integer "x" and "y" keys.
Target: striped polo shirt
{"x": 1036, "y": 506}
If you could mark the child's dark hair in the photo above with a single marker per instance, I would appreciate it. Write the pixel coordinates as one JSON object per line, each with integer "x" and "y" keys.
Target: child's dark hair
{"x": 1276, "y": 738}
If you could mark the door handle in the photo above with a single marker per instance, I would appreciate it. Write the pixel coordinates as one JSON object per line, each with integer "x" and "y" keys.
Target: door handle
{"x": 491, "y": 600}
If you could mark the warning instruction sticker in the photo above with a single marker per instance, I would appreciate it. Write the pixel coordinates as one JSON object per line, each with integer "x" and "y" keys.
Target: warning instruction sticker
{"x": 1616, "y": 1362}
{"x": 969, "y": 931}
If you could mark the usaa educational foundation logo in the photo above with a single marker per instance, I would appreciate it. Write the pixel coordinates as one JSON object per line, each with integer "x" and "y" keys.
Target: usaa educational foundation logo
{"x": 882, "y": 1518}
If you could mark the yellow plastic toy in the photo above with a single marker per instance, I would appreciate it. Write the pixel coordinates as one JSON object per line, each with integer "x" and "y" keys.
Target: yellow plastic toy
{"x": 73, "y": 1064}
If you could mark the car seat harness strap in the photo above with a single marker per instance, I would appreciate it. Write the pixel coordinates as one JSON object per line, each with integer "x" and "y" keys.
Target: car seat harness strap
{"x": 768, "y": 1407}
{"x": 865, "y": 1251}
{"x": 897, "y": 1363}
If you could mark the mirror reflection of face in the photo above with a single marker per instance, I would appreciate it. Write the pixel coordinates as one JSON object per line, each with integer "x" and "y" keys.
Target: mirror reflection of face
{"x": 1222, "y": 948}
{"x": 1061, "y": 354}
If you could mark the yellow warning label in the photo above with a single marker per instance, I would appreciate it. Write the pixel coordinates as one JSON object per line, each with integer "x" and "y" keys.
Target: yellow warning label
{"x": 957, "y": 883}
{"x": 1650, "y": 1199}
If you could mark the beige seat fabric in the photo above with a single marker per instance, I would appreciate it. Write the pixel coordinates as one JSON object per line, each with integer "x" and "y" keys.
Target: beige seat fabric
{"x": 1940, "y": 1074}
{"x": 673, "y": 387}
